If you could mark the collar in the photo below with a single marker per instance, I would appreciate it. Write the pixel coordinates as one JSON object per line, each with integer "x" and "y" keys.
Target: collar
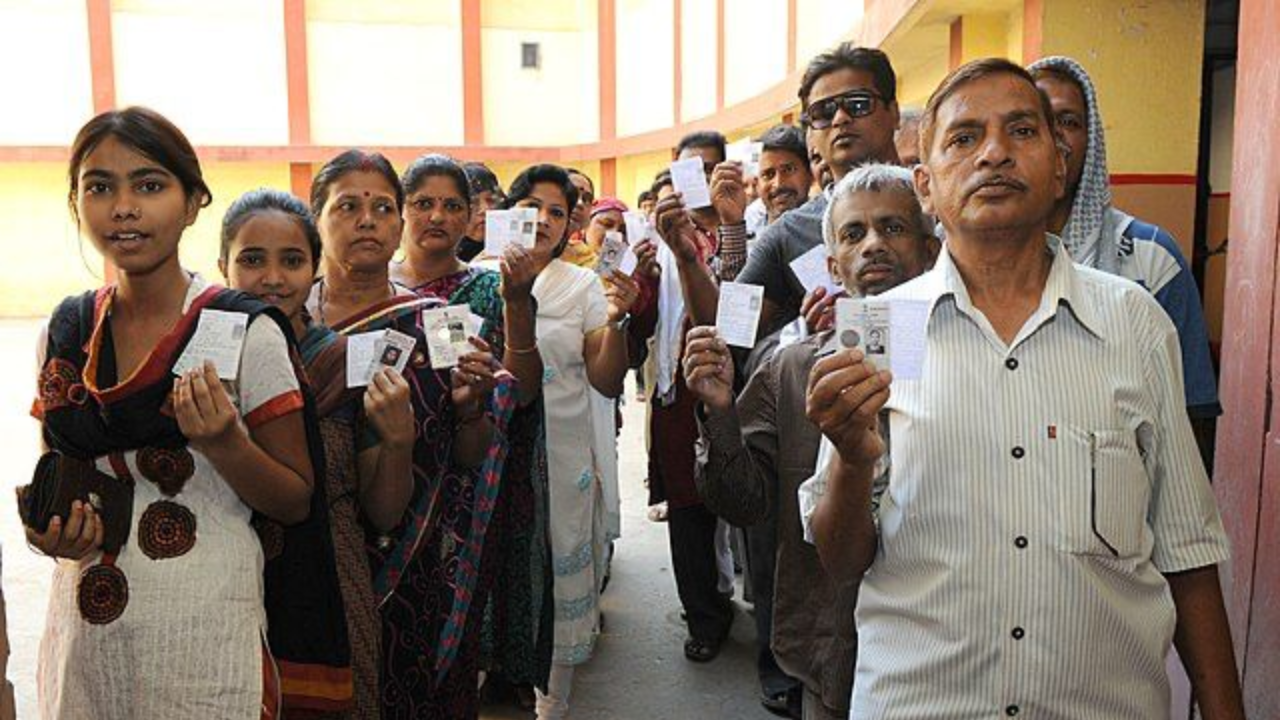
{"x": 1063, "y": 287}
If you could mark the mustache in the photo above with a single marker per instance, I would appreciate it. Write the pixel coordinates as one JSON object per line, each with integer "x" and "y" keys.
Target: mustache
{"x": 996, "y": 180}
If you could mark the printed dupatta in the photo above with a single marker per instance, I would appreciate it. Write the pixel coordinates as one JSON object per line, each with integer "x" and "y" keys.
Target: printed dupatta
{"x": 82, "y": 419}
{"x": 391, "y": 557}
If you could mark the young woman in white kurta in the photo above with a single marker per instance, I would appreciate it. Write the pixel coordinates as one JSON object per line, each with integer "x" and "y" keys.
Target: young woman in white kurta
{"x": 580, "y": 330}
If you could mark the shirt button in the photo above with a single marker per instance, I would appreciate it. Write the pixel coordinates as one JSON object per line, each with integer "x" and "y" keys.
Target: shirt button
{"x": 1020, "y": 542}
{"x": 1018, "y": 452}
{"x": 1019, "y": 633}
{"x": 1011, "y": 363}
{"x": 1011, "y": 711}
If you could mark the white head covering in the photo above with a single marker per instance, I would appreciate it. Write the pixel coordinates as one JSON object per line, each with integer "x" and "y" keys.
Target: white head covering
{"x": 1090, "y": 233}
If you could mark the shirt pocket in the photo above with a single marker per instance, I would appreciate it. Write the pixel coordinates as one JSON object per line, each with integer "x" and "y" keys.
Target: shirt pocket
{"x": 1105, "y": 494}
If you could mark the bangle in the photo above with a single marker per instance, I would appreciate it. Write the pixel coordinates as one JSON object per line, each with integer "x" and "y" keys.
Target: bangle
{"x": 523, "y": 351}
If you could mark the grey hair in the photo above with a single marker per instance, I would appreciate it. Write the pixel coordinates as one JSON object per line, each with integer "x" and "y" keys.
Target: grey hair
{"x": 875, "y": 177}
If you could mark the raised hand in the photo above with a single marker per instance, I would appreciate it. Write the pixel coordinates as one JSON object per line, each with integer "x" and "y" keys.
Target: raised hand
{"x": 621, "y": 291}
{"x": 204, "y": 412}
{"x": 387, "y": 407}
{"x": 819, "y": 310}
{"x": 728, "y": 192}
{"x": 518, "y": 273}
{"x": 646, "y": 260}
{"x": 473, "y": 379}
{"x": 676, "y": 228}
{"x": 708, "y": 368}
{"x": 844, "y": 400}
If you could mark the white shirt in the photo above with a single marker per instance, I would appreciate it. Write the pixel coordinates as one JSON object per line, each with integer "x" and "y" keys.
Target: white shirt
{"x": 1039, "y": 491}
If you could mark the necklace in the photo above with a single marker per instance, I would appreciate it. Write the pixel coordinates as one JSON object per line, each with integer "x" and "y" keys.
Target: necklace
{"x": 391, "y": 292}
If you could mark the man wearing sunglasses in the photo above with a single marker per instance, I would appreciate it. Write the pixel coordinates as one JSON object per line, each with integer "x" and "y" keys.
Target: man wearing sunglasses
{"x": 850, "y": 111}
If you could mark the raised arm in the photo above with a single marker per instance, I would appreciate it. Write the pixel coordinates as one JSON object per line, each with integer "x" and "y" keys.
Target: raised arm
{"x": 844, "y": 400}
{"x": 701, "y": 294}
{"x": 737, "y": 475}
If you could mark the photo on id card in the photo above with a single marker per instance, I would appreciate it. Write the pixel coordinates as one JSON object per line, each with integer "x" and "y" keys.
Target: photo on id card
{"x": 865, "y": 324}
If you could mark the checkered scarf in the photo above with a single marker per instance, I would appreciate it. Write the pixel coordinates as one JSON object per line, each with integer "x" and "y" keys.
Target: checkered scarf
{"x": 1090, "y": 233}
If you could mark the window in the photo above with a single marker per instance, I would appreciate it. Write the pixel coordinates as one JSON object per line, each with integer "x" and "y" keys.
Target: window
{"x": 530, "y": 55}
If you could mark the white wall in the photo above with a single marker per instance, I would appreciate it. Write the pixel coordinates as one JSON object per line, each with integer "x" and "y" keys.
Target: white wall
{"x": 755, "y": 43}
{"x": 563, "y": 95}
{"x": 698, "y": 52}
{"x": 217, "y": 70}
{"x": 645, "y": 60}
{"x": 47, "y": 81}
{"x": 385, "y": 84}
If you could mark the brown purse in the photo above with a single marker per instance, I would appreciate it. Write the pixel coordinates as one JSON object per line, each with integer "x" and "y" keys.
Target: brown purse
{"x": 60, "y": 480}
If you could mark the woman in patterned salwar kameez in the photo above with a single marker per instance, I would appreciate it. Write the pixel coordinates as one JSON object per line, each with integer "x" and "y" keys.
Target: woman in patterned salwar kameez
{"x": 424, "y": 569}
{"x": 582, "y": 339}
{"x": 438, "y": 210}
{"x": 171, "y": 622}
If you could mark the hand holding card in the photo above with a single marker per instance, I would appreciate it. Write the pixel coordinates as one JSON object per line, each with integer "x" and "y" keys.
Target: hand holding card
{"x": 447, "y": 330}
{"x": 219, "y": 338}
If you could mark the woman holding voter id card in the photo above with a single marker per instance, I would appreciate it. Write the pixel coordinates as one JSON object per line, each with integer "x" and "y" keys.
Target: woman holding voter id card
{"x": 173, "y": 413}
{"x": 425, "y": 569}
{"x": 437, "y": 212}
{"x": 582, "y": 338}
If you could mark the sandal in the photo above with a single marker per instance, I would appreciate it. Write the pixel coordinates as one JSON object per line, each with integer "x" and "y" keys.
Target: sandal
{"x": 701, "y": 651}
{"x": 775, "y": 703}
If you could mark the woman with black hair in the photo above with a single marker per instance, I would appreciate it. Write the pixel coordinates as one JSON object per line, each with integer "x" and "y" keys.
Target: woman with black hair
{"x": 437, "y": 209}
{"x": 357, "y": 201}
{"x": 165, "y": 619}
{"x": 582, "y": 338}
{"x": 271, "y": 249}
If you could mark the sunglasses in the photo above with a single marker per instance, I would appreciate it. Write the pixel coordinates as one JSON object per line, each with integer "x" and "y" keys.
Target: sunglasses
{"x": 857, "y": 103}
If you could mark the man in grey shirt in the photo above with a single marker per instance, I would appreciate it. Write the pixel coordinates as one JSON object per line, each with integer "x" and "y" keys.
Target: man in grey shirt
{"x": 850, "y": 110}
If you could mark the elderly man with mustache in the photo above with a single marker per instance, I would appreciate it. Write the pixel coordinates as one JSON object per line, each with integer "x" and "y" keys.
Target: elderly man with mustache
{"x": 1029, "y": 520}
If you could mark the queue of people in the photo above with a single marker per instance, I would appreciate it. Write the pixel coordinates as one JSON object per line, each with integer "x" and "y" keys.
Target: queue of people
{"x": 316, "y": 526}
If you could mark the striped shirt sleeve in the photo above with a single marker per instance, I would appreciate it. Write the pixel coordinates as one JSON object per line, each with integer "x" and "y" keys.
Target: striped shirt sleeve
{"x": 1183, "y": 514}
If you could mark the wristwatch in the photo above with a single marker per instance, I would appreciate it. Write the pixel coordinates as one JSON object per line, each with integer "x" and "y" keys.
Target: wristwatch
{"x": 621, "y": 325}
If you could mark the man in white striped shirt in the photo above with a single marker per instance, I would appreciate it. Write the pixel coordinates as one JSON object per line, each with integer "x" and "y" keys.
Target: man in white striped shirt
{"x": 1043, "y": 528}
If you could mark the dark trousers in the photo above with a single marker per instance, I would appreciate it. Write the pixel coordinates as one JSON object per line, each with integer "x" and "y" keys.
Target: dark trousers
{"x": 692, "y": 531}
{"x": 762, "y": 548}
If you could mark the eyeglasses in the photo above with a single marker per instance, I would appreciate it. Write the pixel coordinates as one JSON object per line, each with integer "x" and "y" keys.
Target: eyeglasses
{"x": 857, "y": 103}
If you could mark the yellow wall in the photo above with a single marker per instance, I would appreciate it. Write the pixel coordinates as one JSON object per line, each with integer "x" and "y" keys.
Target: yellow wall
{"x": 164, "y": 58}
{"x": 1144, "y": 58}
{"x": 42, "y": 250}
{"x": 821, "y": 24}
{"x": 49, "y": 97}
{"x": 755, "y": 51}
{"x": 553, "y": 15}
{"x": 698, "y": 58}
{"x": 636, "y": 173}
{"x": 645, "y": 65}
{"x": 227, "y": 181}
{"x": 386, "y": 12}
{"x": 984, "y": 35}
